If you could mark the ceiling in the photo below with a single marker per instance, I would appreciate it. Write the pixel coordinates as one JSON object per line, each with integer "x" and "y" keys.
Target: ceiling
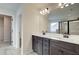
{"x": 10, "y": 6}
{"x": 15, "y": 6}
{"x": 51, "y": 6}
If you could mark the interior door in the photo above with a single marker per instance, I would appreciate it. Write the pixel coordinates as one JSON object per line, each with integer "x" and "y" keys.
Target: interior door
{"x": 7, "y": 29}
{"x": 1, "y": 30}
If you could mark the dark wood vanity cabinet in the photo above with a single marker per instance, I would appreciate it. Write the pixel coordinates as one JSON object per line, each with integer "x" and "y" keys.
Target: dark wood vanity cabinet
{"x": 40, "y": 45}
{"x": 45, "y": 46}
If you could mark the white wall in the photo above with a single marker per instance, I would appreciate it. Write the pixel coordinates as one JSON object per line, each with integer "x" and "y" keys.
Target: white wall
{"x": 32, "y": 22}
{"x": 18, "y": 26}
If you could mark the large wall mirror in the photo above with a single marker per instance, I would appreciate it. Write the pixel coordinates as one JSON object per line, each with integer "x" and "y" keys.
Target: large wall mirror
{"x": 65, "y": 27}
{"x": 65, "y": 20}
{"x": 69, "y": 27}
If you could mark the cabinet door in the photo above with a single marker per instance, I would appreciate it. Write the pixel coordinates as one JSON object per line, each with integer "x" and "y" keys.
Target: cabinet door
{"x": 54, "y": 50}
{"x": 46, "y": 47}
{"x": 34, "y": 43}
{"x": 64, "y": 48}
{"x": 64, "y": 45}
{"x": 77, "y": 49}
{"x": 60, "y": 51}
{"x": 39, "y": 45}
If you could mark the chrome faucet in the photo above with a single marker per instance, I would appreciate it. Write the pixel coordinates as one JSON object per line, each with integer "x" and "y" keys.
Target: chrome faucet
{"x": 65, "y": 35}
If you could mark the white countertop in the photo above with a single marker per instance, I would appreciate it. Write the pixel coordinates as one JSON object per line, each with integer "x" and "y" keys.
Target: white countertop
{"x": 72, "y": 38}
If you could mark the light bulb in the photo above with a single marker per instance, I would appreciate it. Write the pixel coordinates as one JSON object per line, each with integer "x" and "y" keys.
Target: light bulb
{"x": 41, "y": 12}
{"x": 46, "y": 10}
{"x": 59, "y": 4}
{"x": 66, "y": 5}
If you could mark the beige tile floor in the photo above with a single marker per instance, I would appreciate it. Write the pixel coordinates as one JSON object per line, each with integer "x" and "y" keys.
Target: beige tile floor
{"x": 32, "y": 53}
{"x": 6, "y": 49}
{"x": 29, "y": 53}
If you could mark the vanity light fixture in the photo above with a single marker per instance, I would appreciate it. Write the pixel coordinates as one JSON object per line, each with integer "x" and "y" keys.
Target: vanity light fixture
{"x": 44, "y": 11}
{"x": 62, "y": 5}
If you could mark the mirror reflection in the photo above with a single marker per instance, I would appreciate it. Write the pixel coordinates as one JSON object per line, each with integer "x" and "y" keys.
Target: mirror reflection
{"x": 64, "y": 20}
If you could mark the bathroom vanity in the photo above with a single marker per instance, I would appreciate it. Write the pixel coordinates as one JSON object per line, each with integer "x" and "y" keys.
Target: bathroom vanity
{"x": 55, "y": 44}
{"x": 63, "y": 34}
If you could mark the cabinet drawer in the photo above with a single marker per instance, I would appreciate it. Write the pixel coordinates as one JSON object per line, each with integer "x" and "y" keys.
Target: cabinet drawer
{"x": 46, "y": 51}
{"x": 45, "y": 40}
{"x": 40, "y": 41}
{"x": 65, "y": 45}
{"x": 39, "y": 49}
{"x": 54, "y": 50}
{"x": 45, "y": 45}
